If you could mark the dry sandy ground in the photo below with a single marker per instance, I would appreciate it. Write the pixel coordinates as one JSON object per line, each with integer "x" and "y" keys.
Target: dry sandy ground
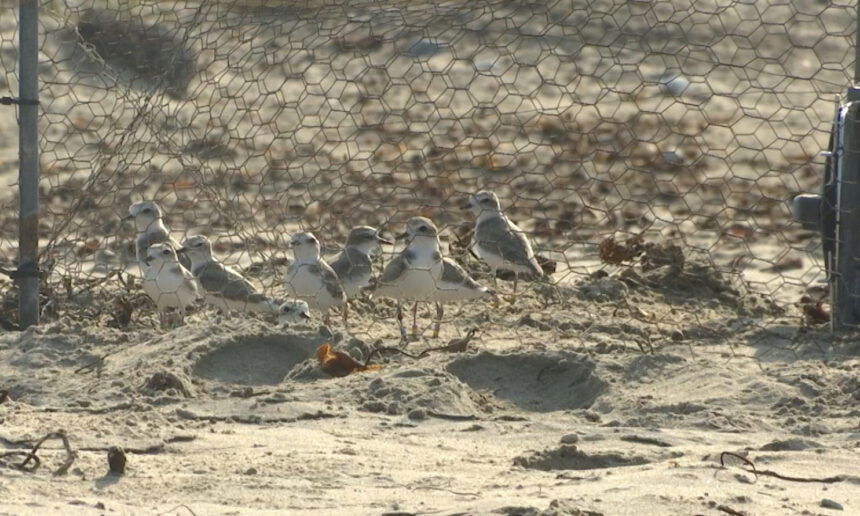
{"x": 612, "y": 390}
{"x": 575, "y": 399}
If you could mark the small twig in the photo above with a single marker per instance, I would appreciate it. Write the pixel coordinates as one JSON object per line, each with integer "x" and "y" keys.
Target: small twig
{"x": 36, "y": 461}
{"x": 97, "y": 362}
{"x": 767, "y": 473}
{"x": 31, "y": 455}
{"x": 728, "y": 510}
{"x": 452, "y": 417}
{"x": 182, "y": 505}
{"x": 127, "y": 282}
{"x": 378, "y": 350}
{"x": 95, "y": 283}
{"x": 434, "y": 488}
{"x": 455, "y": 346}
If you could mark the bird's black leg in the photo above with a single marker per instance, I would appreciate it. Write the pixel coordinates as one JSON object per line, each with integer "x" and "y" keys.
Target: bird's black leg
{"x": 440, "y": 312}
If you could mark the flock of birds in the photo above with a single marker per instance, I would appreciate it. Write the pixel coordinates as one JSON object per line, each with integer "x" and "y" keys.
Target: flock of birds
{"x": 175, "y": 276}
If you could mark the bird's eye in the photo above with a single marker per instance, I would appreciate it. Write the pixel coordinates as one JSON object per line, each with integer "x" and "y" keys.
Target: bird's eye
{"x": 286, "y": 309}
{"x": 422, "y": 228}
{"x": 146, "y": 210}
{"x": 165, "y": 252}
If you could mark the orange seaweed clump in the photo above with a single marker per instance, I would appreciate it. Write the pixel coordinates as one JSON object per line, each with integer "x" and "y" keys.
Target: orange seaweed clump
{"x": 339, "y": 363}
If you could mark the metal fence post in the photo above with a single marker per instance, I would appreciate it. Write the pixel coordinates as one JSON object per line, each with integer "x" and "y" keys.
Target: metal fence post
{"x": 28, "y": 175}
{"x": 836, "y": 211}
{"x": 845, "y": 282}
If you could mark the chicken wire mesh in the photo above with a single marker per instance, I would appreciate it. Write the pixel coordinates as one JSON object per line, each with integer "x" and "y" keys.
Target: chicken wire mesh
{"x": 647, "y": 148}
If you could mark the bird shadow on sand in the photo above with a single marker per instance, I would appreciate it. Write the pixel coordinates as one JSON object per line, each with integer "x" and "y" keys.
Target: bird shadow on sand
{"x": 106, "y": 481}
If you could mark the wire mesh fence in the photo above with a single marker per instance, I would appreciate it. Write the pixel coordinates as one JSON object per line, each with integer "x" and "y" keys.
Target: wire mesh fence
{"x": 643, "y": 146}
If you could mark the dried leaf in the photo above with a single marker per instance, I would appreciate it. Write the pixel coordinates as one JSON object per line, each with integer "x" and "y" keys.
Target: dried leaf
{"x": 614, "y": 253}
{"x": 339, "y": 363}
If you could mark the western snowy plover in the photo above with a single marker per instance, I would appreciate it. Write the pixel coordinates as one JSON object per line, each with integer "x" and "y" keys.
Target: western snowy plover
{"x": 354, "y": 265}
{"x": 500, "y": 242}
{"x": 166, "y": 282}
{"x": 310, "y": 278}
{"x": 293, "y": 311}
{"x": 147, "y": 217}
{"x": 221, "y": 286}
{"x": 421, "y": 273}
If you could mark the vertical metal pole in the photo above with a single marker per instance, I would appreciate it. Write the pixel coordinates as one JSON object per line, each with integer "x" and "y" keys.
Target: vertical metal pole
{"x": 845, "y": 286}
{"x": 28, "y": 175}
{"x": 857, "y": 47}
{"x": 854, "y": 90}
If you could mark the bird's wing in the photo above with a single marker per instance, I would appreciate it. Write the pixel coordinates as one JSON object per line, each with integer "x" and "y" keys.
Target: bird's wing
{"x": 330, "y": 280}
{"x": 351, "y": 261}
{"x": 219, "y": 279}
{"x": 396, "y": 268}
{"x": 341, "y": 264}
{"x": 181, "y": 271}
{"x": 452, "y": 272}
{"x": 505, "y": 239}
{"x": 141, "y": 246}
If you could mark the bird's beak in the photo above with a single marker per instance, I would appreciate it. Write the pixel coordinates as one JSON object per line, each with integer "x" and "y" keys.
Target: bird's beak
{"x": 305, "y": 315}
{"x": 466, "y": 205}
{"x": 147, "y": 260}
{"x": 384, "y": 240}
{"x": 182, "y": 250}
{"x": 127, "y": 217}
{"x": 402, "y": 236}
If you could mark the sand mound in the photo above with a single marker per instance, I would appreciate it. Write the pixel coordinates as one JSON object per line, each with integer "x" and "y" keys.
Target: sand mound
{"x": 650, "y": 367}
{"x": 37, "y": 360}
{"x": 424, "y": 389}
{"x": 556, "y": 508}
{"x": 540, "y": 382}
{"x": 568, "y": 456}
{"x": 700, "y": 282}
{"x": 255, "y": 359}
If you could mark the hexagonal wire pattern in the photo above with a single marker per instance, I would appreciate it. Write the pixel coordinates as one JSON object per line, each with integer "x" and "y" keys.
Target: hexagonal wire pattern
{"x": 249, "y": 121}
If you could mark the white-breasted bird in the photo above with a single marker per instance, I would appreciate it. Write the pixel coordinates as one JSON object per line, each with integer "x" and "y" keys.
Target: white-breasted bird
{"x": 498, "y": 241}
{"x": 421, "y": 273}
{"x": 293, "y": 311}
{"x": 221, "y": 286}
{"x": 149, "y": 223}
{"x": 354, "y": 265}
{"x": 310, "y": 278}
{"x": 166, "y": 282}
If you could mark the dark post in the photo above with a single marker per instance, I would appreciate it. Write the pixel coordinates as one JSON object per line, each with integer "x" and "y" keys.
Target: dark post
{"x": 28, "y": 175}
{"x": 845, "y": 280}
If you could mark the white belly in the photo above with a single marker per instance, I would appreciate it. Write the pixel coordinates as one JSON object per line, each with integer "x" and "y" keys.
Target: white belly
{"x": 308, "y": 287}
{"x": 169, "y": 290}
{"x": 414, "y": 285}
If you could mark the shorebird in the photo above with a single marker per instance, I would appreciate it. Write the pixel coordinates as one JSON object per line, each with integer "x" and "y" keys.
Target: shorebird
{"x": 151, "y": 229}
{"x": 354, "y": 265}
{"x": 421, "y": 273}
{"x": 293, "y": 311}
{"x": 221, "y": 286}
{"x": 500, "y": 242}
{"x": 310, "y": 278}
{"x": 166, "y": 282}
